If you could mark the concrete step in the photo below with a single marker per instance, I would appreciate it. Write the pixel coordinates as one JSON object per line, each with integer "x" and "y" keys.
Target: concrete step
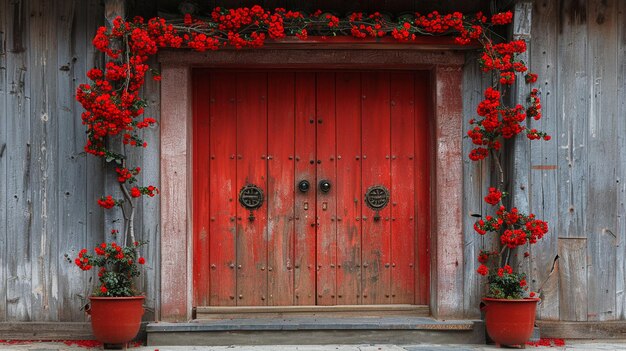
{"x": 316, "y": 331}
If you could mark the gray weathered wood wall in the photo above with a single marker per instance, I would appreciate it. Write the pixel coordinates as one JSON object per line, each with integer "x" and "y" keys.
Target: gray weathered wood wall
{"x": 48, "y": 184}
{"x": 575, "y": 181}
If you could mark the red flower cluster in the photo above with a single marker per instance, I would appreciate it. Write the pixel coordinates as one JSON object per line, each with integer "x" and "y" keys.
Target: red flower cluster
{"x": 506, "y": 269}
{"x": 82, "y": 261}
{"x": 124, "y": 174}
{"x": 107, "y": 202}
{"x": 502, "y": 18}
{"x": 521, "y": 229}
{"x": 493, "y": 197}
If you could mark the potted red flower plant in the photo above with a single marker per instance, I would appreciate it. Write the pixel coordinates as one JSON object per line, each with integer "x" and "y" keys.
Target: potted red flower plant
{"x": 509, "y": 305}
{"x": 116, "y": 307}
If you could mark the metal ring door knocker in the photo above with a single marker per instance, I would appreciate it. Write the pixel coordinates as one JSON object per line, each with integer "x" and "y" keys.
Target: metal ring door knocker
{"x": 251, "y": 198}
{"x": 377, "y": 198}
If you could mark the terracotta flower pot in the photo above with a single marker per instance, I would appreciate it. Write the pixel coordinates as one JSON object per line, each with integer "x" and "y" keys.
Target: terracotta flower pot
{"x": 510, "y": 322}
{"x": 116, "y": 320}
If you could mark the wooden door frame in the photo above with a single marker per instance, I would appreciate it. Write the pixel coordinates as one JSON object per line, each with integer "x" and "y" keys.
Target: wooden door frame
{"x": 446, "y": 130}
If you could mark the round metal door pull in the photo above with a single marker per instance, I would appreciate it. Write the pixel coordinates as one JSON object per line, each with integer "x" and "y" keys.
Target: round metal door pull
{"x": 324, "y": 185}
{"x": 304, "y": 186}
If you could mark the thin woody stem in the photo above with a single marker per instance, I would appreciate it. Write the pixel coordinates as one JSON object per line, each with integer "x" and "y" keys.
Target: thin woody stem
{"x": 496, "y": 159}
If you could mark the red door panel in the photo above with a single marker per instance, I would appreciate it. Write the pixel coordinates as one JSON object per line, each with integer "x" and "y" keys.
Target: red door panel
{"x": 375, "y": 129}
{"x": 223, "y": 188}
{"x": 201, "y": 191}
{"x": 327, "y": 192}
{"x": 348, "y": 188}
{"x": 422, "y": 186}
{"x": 274, "y": 130}
{"x": 402, "y": 189}
{"x": 252, "y": 170}
{"x": 280, "y": 190}
{"x": 305, "y": 221}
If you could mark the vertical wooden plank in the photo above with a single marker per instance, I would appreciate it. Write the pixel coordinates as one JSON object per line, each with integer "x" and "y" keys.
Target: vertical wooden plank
{"x": 402, "y": 200}
{"x": 223, "y": 188}
{"x": 252, "y": 169}
{"x": 376, "y": 147}
{"x": 176, "y": 293}
{"x": 573, "y": 274}
{"x": 44, "y": 136}
{"x": 349, "y": 195}
{"x": 422, "y": 165}
{"x": 475, "y": 183}
{"x": 570, "y": 107}
{"x": 621, "y": 136}
{"x": 79, "y": 216}
{"x": 564, "y": 100}
{"x": 201, "y": 80}
{"x": 72, "y": 213}
{"x": 541, "y": 157}
{"x": 4, "y": 123}
{"x": 304, "y": 210}
{"x": 602, "y": 138}
{"x": 71, "y": 198}
{"x": 19, "y": 155}
{"x": 280, "y": 189}
{"x": 447, "y": 294}
{"x": 326, "y": 201}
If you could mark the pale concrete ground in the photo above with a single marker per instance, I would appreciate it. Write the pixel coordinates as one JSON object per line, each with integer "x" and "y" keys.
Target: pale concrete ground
{"x": 598, "y": 345}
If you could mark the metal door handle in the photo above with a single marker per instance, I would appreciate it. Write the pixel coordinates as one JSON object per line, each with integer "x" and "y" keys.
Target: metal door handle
{"x": 324, "y": 185}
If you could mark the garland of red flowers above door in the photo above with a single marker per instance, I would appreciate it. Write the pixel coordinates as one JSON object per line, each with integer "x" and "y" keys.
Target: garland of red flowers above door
{"x": 113, "y": 105}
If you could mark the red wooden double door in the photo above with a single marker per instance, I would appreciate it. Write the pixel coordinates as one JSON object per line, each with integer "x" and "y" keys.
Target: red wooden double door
{"x": 310, "y": 188}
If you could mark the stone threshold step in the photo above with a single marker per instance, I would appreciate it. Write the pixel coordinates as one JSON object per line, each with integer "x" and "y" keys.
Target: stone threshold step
{"x": 284, "y": 324}
{"x": 316, "y": 331}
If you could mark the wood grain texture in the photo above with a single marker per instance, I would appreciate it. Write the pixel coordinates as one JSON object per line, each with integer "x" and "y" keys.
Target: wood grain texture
{"x": 280, "y": 187}
{"x": 538, "y": 159}
{"x": 620, "y": 281}
{"x": 19, "y": 154}
{"x": 573, "y": 274}
{"x": 602, "y": 138}
{"x": 476, "y": 178}
{"x": 403, "y": 182}
{"x": 570, "y": 110}
{"x": 72, "y": 212}
{"x": 326, "y": 204}
{"x": 203, "y": 218}
{"x": 349, "y": 195}
{"x": 45, "y": 171}
{"x": 175, "y": 302}
{"x": 4, "y": 134}
{"x": 424, "y": 162}
{"x": 447, "y": 289}
{"x": 376, "y": 143}
{"x": 583, "y": 330}
{"x": 252, "y": 170}
{"x": 305, "y": 203}
{"x": 223, "y": 190}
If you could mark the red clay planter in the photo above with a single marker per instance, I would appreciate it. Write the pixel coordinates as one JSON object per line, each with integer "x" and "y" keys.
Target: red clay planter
{"x": 116, "y": 320}
{"x": 510, "y": 322}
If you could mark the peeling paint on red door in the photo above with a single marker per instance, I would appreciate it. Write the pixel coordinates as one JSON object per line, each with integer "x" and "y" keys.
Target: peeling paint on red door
{"x": 322, "y": 244}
